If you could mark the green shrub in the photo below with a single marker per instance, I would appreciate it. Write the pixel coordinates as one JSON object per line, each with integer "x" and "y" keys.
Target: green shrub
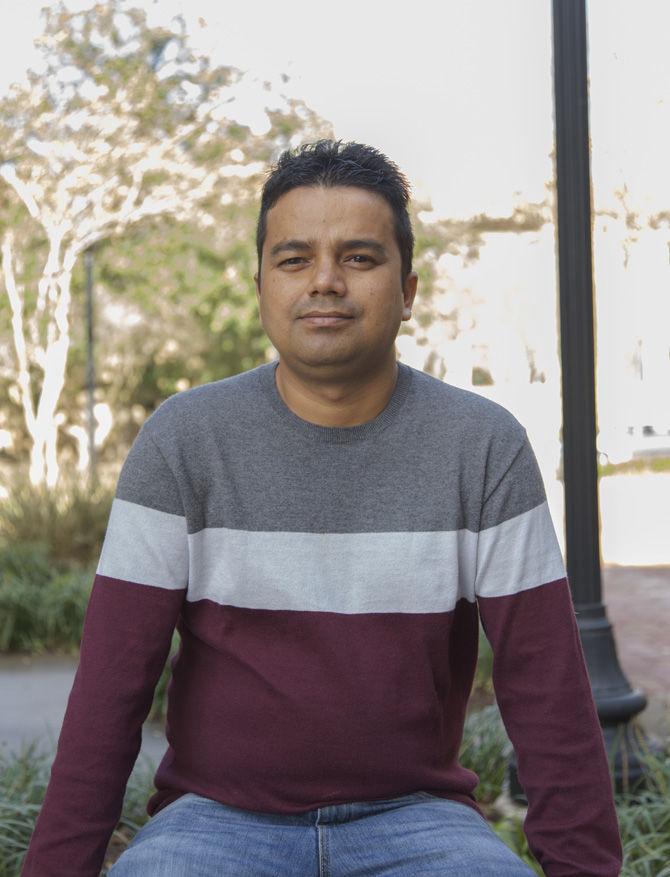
{"x": 23, "y": 782}
{"x": 50, "y": 544}
{"x": 28, "y": 561}
{"x": 70, "y": 521}
{"x": 510, "y": 830}
{"x": 24, "y": 776}
{"x": 644, "y": 823}
{"x": 62, "y": 610}
{"x": 42, "y": 607}
{"x": 485, "y": 749}
{"x": 18, "y": 602}
{"x": 644, "y": 820}
{"x": 484, "y": 670}
{"x": 158, "y": 711}
{"x": 643, "y": 464}
{"x": 133, "y": 812}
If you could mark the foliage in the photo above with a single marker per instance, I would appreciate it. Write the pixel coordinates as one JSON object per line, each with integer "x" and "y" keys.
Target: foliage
{"x": 130, "y": 127}
{"x": 175, "y": 308}
{"x": 644, "y": 821}
{"x": 510, "y": 830}
{"x": 23, "y": 781}
{"x": 132, "y": 141}
{"x": 635, "y": 466}
{"x": 139, "y": 789}
{"x": 24, "y": 776}
{"x": 42, "y": 608}
{"x": 49, "y": 548}
{"x": 158, "y": 711}
{"x": 70, "y": 522}
{"x": 481, "y": 377}
{"x": 25, "y": 561}
{"x": 484, "y": 671}
{"x": 485, "y": 749}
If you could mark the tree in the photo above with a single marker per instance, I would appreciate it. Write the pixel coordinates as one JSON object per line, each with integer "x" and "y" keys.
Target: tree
{"x": 127, "y": 125}
{"x": 132, "y": 143}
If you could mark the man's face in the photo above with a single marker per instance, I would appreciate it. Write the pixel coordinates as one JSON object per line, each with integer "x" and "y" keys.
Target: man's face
{"x": 332, "y": 251}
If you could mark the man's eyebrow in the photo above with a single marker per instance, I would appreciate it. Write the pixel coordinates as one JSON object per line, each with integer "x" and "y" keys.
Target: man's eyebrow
{"x": 365, "y": 244}
{"x": 353, "y": 244}
{"x": 292, "y": 244}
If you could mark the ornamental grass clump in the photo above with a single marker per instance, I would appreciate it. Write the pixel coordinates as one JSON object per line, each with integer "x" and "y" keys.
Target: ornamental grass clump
{"x": 71, "y": 520}
{"x": 644, "y": 819}
{"x": 42, "y": 606}
{"x": 50, "y": 543}
{"x": 644, "y": 823}
{"x": 24, "y": 776}
{"x": 485, "y": 750}
{"x": 23, "y": 781}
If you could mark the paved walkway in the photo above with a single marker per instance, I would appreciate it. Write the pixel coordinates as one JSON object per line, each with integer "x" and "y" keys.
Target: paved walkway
{"x": 34, "y": 690}
{"x": 637, "y": 602}
{"x": 33, "y": 696}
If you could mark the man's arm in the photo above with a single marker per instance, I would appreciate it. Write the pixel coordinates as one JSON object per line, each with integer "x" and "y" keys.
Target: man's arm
{"x": 134, "y": 605}
{"x": 539, "y": 673}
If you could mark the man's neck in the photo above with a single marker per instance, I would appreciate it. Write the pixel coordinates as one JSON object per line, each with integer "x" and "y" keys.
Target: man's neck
{"x": 337, "y": 403}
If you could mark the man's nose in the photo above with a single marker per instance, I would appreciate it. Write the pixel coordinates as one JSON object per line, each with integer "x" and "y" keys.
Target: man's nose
{"x": 328, "y": 276}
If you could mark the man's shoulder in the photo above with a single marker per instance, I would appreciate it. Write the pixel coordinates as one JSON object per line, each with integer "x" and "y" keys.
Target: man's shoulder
{"x": 224, "y": 398}
{"x": 465, "y": 409}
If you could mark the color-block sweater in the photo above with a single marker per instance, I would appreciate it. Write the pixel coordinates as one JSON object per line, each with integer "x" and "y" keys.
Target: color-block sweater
{"x": 326, "y": 583}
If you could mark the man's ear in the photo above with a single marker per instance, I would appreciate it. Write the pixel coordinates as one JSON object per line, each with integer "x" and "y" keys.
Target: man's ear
{"x": 258, "y": 286}
{"x": 408, "y": 292}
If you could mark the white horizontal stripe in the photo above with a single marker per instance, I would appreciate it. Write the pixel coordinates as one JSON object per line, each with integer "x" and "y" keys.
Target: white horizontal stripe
{"x": 145, "y": 546}
{"x": 333, "y": 572}
{"x": 518, "y": 554}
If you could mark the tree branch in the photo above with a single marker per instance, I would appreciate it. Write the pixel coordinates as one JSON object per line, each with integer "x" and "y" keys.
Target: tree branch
{"x": 8, "y": 173}
{"x": 23, "y": 377}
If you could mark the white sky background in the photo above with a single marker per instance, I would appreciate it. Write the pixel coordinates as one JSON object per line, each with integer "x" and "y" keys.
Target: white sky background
{"x": 459, "y": 94}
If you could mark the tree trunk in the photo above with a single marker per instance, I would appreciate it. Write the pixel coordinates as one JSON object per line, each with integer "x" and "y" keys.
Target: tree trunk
{"x": 42, "y": 426}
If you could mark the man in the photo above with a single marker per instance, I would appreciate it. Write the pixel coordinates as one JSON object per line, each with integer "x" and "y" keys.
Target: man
{"x": 324, "y": 530}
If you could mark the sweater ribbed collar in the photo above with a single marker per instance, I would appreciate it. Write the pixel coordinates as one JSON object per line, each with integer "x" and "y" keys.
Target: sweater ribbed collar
{"x": 316, "y": 432}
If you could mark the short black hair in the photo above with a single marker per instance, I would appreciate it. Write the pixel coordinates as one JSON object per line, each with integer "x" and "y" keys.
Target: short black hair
{"x": 332, "y": 163}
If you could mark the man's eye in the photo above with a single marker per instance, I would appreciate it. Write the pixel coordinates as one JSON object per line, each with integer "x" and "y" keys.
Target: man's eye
{"x": 292, "y": 260}
{"x": 362, "y": 257}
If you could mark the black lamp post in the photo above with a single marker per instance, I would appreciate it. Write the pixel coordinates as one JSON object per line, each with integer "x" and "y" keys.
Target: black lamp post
{"x": 616, "y": 701}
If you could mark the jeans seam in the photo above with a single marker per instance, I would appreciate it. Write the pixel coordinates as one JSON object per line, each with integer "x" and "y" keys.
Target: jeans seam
{"x": 324, "y": 870}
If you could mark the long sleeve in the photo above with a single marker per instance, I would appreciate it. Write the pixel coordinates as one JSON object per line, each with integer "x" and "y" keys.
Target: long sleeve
{"x": 135, "y": 600}
{"x": 539, "y": 673}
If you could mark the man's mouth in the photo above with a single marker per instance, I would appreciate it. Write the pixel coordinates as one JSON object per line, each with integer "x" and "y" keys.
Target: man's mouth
{"x": 325, "y": 319}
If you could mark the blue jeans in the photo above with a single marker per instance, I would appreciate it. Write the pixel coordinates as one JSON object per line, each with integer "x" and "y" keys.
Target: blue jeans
{"x": 399, "y": 837}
